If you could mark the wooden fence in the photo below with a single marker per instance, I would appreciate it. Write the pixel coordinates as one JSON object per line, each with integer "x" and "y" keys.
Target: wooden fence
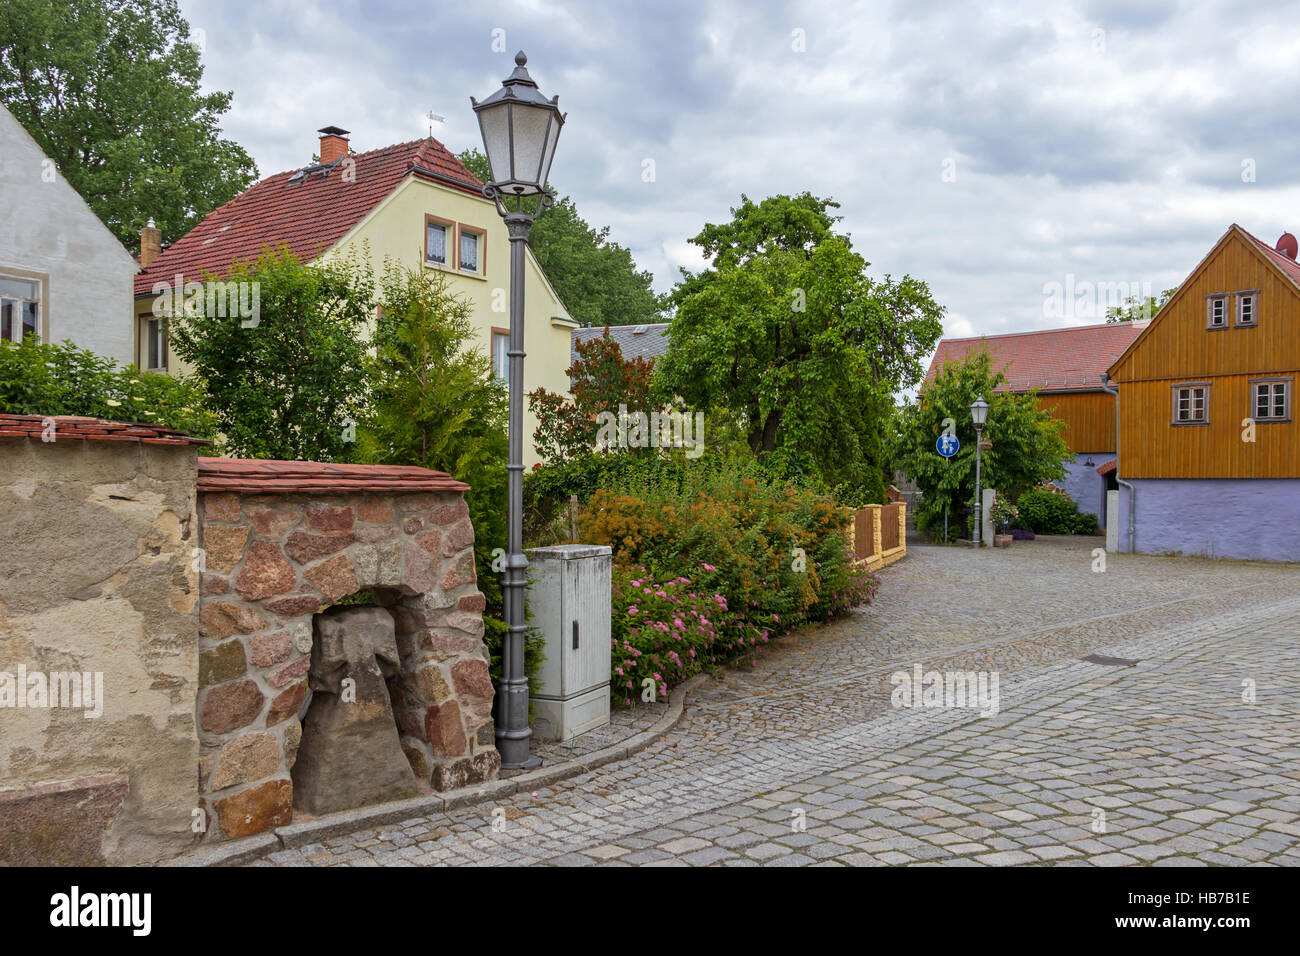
{"x": 879, "y": 534}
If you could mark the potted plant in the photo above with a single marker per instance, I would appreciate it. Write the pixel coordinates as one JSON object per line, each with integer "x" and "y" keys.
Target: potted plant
{"x": 1003, "y": 514}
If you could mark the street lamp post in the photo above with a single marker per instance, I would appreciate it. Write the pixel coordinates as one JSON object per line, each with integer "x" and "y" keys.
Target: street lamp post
{"x": 979, "y": 413}
{"x": 520, "y": 128}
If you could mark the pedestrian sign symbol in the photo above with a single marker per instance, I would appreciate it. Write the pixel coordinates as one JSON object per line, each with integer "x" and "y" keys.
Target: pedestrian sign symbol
{"x": 947, "y": 445}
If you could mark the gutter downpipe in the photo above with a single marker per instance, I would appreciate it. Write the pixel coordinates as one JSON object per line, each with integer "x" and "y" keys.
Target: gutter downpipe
{"x": 1107, "y": 385}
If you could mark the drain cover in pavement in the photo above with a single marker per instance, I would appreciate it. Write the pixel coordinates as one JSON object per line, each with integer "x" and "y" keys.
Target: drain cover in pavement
{"x": 1109, "y": 661}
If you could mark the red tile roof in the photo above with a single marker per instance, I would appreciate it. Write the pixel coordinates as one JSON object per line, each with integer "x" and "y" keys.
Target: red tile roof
{"x": 93, "y": 429}
{"x": 309, "y": 216}
{"x": 265, "y": 476}
{"x": 1287, "y": 265}
{"x": 1051, "y": 360}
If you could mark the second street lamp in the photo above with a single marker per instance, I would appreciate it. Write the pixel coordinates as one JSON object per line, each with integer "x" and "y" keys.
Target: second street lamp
{"x": 979, "y": 413}
{"x": 520, "y": 128}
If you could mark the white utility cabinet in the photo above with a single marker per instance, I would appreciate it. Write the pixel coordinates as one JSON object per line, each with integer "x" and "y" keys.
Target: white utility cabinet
{"x": 569, "y": 596}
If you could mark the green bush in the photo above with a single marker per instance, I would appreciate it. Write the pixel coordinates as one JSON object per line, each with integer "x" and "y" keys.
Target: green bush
{"x": 1053, "y": 512}
{"x": 61, "y": 379}
{"x": 760, "y": 555}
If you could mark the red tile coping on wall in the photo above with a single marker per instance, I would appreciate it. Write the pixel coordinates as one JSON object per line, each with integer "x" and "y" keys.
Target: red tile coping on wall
{"x": 93, "y": 429}
{"x": 264, "y": 476}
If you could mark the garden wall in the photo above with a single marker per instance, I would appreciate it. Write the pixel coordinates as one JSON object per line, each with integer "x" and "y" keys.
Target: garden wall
{"x": 284, "y": 540}
{"x": 98, "y": 595}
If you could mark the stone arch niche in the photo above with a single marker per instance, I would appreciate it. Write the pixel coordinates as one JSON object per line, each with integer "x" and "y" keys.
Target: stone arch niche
{"x": 283, "y": 541}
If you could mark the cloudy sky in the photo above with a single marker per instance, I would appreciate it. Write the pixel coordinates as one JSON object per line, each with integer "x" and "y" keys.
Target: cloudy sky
{"x": 991, "y": 149}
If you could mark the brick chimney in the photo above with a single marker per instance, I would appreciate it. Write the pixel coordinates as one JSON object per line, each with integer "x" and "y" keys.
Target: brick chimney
{"x": 150, "y": 244}
{"x": 333, "y": 143}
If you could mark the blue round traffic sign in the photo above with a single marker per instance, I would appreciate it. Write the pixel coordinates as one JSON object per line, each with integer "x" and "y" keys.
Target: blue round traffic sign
{"x": 947, "y": 445}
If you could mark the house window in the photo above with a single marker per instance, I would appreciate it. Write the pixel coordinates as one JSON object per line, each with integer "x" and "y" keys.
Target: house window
{"x": 155, "y": 345}
{"x": 471, "y": 248}
{"x": 1192, "y": 404}
{"x": 437, "y": 241}
{"x": 1216, "y": 312}
{"x": 20, "y": 308}
{"x": 500, "y": 358}
{"x": 1271, "y": 400}
{"x": 1247, "y": 308}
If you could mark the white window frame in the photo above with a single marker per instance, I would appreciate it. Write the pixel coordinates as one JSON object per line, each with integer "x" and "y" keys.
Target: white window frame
{"x": 449, "y": 242}
{"x": 147, "y": 340}
{"x": 16, "y": 302}
{"x": 1253, "y": 296}
{"x": 1271, "y": 384}
{"x": 1191, "y": 388}
{"x": 1221, "y": 300}
{"x": 500, "y": 358}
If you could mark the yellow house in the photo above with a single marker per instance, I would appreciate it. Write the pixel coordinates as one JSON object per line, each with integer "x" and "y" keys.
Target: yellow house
{"x": 412, "y": 203}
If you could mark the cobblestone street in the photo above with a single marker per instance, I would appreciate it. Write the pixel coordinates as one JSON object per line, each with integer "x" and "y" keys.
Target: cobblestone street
{"x": 1159, "y": 758}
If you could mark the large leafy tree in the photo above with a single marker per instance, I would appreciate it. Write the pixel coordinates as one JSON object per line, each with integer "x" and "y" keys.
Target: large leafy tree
{"x": 110, "y": 91}
{"x": 787, "y": 333}
{"x": 595, "y": 278}
{"x": 290, "y": 381}
{"x": 1028, "y": 447}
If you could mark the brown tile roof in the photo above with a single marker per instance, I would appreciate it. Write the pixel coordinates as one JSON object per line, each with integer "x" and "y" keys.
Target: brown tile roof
{"x": 1051, "y": 360}
{"x": 93, "y": 429}
{"x": 308, "y": 215}
{"x": 265, "y": 476}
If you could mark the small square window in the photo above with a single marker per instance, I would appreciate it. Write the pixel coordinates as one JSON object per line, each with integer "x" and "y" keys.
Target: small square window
{"x": 435, "y": 242}
{"x": 1272, "y": 401}
{"x": 470, "y": 243}
{"x": 1216, "y": 312}
{"x": 1191, "y": 404}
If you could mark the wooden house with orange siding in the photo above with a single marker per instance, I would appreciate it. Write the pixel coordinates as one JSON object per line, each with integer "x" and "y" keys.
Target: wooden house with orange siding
{"x": 1209, "y": 452}
{"x": 1067, "y": 367}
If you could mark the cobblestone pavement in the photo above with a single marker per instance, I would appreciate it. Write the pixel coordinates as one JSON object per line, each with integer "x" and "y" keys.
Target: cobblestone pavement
{"x": 802, "y": 760}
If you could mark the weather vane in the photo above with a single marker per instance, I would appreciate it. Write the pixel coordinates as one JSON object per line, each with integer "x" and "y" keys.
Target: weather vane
{"x": 434, "y": 118}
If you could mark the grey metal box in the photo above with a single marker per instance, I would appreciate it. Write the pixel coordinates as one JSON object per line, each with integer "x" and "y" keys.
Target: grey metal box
{"x": 569, "y": 596}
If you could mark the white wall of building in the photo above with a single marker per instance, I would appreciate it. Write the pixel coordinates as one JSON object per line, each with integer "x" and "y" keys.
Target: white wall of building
{"x": 48, "y": 231}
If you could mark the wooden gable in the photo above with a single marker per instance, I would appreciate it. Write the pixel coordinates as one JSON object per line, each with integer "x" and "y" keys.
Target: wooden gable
{"x": 1177, "y": 344}
{"x": 1178, "y": 348}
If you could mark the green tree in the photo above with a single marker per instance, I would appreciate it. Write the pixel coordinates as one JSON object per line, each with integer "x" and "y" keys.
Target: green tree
{"x": 436, "y": 403}
{"x": 1137, "y": 307}
{"x": 110, "y": 89}
{"x": 1028, "y": 447}
{"x": 595, "y": 278}
{"x": 788, "y": 334}
{"x": 289, "y": 382}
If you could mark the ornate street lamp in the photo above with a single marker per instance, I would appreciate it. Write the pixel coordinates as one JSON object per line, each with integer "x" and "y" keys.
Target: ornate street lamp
{"x": 520, "y": 128}
{"x": 979, "y": 413}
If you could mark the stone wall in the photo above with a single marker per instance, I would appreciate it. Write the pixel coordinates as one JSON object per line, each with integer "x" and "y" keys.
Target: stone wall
{"x": 283, "y": 541}
{"x": 97, "y": 530}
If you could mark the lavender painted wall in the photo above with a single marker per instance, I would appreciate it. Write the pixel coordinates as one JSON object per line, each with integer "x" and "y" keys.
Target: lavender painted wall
{"x": 1254, "y": 518}
{"x": 1084, "y": 485}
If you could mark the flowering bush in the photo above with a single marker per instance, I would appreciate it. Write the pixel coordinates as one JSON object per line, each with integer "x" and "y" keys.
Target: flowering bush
{"x": 700, "y": 578}
{"x": 1003, "y": 513}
